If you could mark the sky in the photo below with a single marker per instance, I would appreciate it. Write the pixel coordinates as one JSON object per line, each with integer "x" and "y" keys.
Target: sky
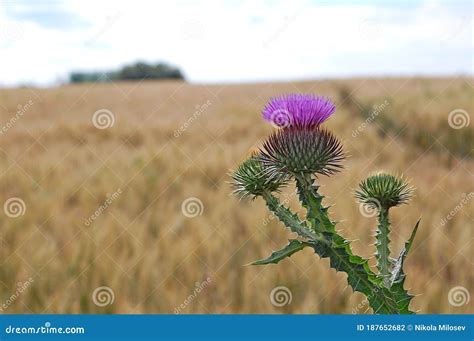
{"x": 41, "y": 42}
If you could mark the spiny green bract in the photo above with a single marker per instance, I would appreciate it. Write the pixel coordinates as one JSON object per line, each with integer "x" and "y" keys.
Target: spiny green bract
{"x": 295, "y": 151}
{"x": 384, "y": 191}
{"x": 250, "y": 179}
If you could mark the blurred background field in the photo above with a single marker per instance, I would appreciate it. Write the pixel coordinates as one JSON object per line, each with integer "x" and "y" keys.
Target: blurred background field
{"x": 171, "y": 141}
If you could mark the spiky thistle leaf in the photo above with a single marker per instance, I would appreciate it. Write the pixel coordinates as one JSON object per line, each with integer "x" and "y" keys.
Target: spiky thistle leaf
{"x": 276, "y": 256}
{"x": 397, "y": 271}
{"x": 397, "y": 279}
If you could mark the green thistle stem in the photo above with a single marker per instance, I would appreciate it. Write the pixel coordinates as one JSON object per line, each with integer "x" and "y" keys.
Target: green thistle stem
{"x": 382, "y": 246}
{"x": 313, "y": 202}
{"x": 327, "y": 243}
{"x": 288, "y": 218}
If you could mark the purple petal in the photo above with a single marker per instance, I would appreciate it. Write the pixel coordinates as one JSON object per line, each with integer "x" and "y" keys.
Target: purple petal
{"x": 298, "y": 110}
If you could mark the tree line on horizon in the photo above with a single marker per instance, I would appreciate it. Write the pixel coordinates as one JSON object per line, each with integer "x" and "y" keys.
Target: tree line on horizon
{"x": 137, "y": 71}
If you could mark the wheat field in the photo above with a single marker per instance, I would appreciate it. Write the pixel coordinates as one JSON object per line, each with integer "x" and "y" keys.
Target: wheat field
{"x": 109, "y": 207}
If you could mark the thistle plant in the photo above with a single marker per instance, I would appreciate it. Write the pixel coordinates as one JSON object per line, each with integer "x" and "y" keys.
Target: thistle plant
{"x": 301, "y": 151}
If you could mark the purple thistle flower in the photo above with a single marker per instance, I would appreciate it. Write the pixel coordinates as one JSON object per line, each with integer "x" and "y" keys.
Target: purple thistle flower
{"x": 297, "y": 110}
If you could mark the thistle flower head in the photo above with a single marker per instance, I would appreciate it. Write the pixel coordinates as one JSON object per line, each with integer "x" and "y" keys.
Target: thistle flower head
{"x": 296, "y": 151}
{"x": 384, "y": 191}
{"x": 298, "y": 110}
{"x": 250, "y": 179}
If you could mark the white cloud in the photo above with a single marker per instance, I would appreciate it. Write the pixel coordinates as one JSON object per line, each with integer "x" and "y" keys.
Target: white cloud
{"x": 238, "y": 41}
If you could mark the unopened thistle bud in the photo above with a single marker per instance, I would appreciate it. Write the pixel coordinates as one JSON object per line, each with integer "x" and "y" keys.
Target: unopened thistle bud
{"x": 250, "y": 179}
{"x": 384, "y": 191}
